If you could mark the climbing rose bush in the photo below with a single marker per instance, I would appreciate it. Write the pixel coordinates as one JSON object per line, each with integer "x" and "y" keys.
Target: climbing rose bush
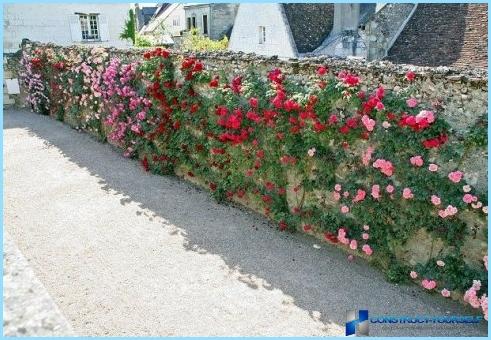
{"x": 363, "y": 166}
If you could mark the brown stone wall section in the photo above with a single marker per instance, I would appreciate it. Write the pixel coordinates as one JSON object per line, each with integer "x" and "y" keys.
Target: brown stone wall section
{"x": 444, "y": 35}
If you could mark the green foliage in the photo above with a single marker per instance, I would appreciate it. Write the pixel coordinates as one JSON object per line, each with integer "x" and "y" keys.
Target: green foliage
{"x": 142, "y": 41}
{"x": 194, "y": 41}
{"x": 478, "y": 136}
{"x": 129, "y": 28}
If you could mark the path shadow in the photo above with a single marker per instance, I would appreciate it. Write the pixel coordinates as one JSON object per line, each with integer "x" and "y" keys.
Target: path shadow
{"x": 320, "y": 281}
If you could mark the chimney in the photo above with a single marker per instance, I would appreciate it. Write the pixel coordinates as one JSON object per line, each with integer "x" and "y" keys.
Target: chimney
{"x": 346, "y": 18}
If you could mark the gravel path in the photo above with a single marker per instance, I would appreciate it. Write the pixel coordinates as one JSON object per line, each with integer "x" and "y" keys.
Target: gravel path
{"x": 124, "y": 252}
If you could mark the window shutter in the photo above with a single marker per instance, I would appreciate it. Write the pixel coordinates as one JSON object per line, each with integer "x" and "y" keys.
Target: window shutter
{"x": 75, "y": 28}
{"x": 103, "y": 27}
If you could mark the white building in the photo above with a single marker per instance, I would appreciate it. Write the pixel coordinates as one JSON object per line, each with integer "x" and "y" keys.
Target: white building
{"x": 284, "y": 30}
{"x": 166, "y": 25}
{"x": 64, "y": 24}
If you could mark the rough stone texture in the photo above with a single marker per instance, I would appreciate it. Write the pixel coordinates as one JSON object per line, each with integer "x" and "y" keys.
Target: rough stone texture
{"x": 382, "y": 27}
{"x": 420, "y": 248}
{"x": 444, "y": 34}
{"x": 28, "y": 309}
{"x": 123, "y": 252}
{"x": 310, "y": 24}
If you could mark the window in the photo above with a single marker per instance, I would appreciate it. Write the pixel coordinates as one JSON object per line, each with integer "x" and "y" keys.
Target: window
{"x": 89, "y": 24}
{"x": 191, "y": 22}
{"x": 262, "y": 34}
{"x": 175, "y": 21}
{"x": 205, "y": 24}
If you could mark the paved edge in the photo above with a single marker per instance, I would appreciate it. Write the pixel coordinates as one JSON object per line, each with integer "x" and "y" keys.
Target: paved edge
{"x": 28, "y": 309}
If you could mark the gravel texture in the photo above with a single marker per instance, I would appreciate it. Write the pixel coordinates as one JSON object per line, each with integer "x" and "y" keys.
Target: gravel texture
{"x": 124, "y": 252}
{"x": 28, "y": 309}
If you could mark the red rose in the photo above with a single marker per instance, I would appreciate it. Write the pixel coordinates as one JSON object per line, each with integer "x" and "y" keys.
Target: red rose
{"x": 253, "y": 102}
{"x": 213, "y": 83}
{"x": 282, "y": 225}
{"x": 322, "y": 70}
{"x": 351, "y": 123}
{"x": 410, "y": 76}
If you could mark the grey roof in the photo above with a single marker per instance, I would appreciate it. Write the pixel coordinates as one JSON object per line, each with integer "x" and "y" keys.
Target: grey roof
{"x": 162, "y": 7}
{"x": 310, "y": 24}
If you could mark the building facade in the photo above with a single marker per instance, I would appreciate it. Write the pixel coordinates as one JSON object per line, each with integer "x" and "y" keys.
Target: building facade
{"x": 284, "y": 30}
{"x": 64, "y": 24}
{"x": 212, "y": 20}
{"x": 166, "y": 25}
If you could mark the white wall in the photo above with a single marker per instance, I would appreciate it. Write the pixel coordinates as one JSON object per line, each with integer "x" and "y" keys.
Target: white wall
{"x": 49, "y": 22}
{"x": 176, "y": 13}
{"x": 245, "y": 34}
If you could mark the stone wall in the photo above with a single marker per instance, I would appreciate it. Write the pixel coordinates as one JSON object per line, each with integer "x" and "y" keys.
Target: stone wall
{"x": 458, "y": 94}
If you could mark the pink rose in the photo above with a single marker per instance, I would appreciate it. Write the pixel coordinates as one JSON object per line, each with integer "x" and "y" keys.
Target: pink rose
{"x": 440, "y": 263}
{"x": 344, "y": 209}
{"x": 455, "y": 176}
{"x": 477, "y": 205}
{"x": 445, "y": 292}
{"x": 412, "y": 102}
{"x": 390, "y": 189}
{"x": 451, "y": 210}
{"x": 468, "y": 198}
{"x": 428, "y": 284}
{"x": 353, "y": 244}
{"x": 365, "y": 236}
{"x": 367, "y": 249}
{"x": 416, "y": 161}
{"x": 366, "y": 227}
{"x": 435, "y": 200}
{"x": 368, "y": 122}
{"x": 376, "y": 191}
{"x": 433, "y": 167}
{"x": 413, "y": 275}
{"x": 341, "y": 232}
{"x": 360, "y": 195}
{"x": 385, "y": 124}
{"x": 407, "y": 193}
{"x": 442, "y": 213}
{"x": 337, "y": 187}
{"x": 367, "y": 155}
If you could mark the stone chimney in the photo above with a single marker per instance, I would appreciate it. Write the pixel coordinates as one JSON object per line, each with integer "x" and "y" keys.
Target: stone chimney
{"x": 346, "y": 18}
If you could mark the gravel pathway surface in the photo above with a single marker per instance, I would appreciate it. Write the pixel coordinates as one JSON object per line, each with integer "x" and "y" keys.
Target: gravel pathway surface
{"x": 124, "y": 252}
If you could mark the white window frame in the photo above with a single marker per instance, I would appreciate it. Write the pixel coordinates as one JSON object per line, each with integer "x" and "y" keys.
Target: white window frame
{"x": 90, "y": 27}
{"x": 262, "y": 34}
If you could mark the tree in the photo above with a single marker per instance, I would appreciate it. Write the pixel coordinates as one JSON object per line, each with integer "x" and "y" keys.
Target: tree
{"x": 129, "y": 29}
